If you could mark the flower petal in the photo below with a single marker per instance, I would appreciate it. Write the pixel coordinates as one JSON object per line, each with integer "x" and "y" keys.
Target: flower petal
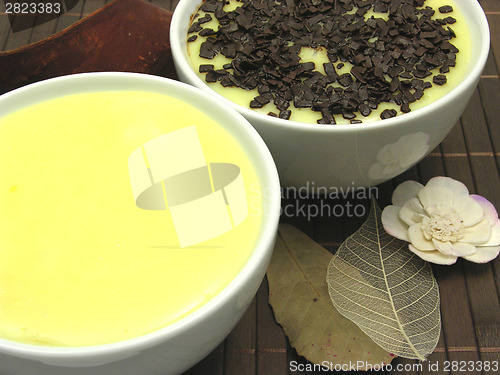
{"x": 392, "y": 224}
{"x": 418, "y": 240}
{"x": 470, "y": 210}
{"x": 494, "y": 239}
{"x": 384, "y": 155}
{"x": 457, "y": 249}
{"x": 478, "y": 234}
{"x": 412, "y": 147}
{"x": 484, "y": 254}
{"x": 392, "y": 170}
{"x": 455, "y": 186}
{"x": 489, "y": 210}
{"x": 412, "y": 212}
{"x": 405, "y": 191}
{"x": 435, "y": 197}
{"x": 415, "y": 140}
{"x": 434, "y": 256}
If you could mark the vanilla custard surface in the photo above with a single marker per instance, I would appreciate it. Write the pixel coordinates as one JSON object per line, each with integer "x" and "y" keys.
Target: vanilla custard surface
{"x": 80, "y": 263}
{"x": 319, "y": 56}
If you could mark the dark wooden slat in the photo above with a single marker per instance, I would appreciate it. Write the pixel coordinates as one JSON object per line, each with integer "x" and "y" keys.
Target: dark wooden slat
{"x": 481, "y": 289}
{"x": 489, "y": 92}
{"x": 4, "y": 31}
{"x": 42, "y": 31}
{"x": 474, "y": 126}
{"x": 10, "y": 40}
{"x": 299, "y": 366}
{"x": 90, "y": 6}
{"x": 213, "y": 364}
{"x": 485, "y": 171}
{"x": 434, "y": 363}
{"x": 351, "y": 224}
{"x": 295, "y": 211}
{"x": 458, "y": 328}
{"x": 487, "y": 180}
{"x": 478, "y": 140}
{"x": 66, "y": 21}
{"x": 404, "y": 366}
{"x": 294, "y": 361}
{"x": 410, "y": 174}
{"x": 457, "y": 167}
{"x": 490, "y": 69}
{"x": 328, "y": 230}
{"x": 167, "y": 4}
{"x": 485, "y": 307}
{"x": 490, "y": 5}
{"x": 494, "y": 22}
{"x": 240, "y": 345}
{"x": 486, "y": 176}
{"x": 77, "y": 9}
{"x": 73, "y": 16}
{"x": 4, "y": 26}
{"x": 385, "y": 190}
{"x": 430, "y": 166}
{"x": 271, "y": 341}
{"x": 19, "y": 38}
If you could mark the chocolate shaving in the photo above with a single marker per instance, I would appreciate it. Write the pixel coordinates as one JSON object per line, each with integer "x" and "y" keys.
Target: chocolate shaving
{"x": 208, "y": 50}
{"x": 445, "y": 9}
{"x": 388, "y": 113}
{"x": 440, "y": 79}
{"x": 205, "y": 68}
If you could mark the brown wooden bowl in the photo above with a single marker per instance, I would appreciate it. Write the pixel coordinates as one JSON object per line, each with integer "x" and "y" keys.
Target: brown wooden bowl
{"x": 124, "y": 35}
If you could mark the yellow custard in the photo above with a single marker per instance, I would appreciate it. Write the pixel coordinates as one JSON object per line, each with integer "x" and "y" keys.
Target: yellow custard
{"x": 80, "y": 262}
{"x": 319, "y": 56}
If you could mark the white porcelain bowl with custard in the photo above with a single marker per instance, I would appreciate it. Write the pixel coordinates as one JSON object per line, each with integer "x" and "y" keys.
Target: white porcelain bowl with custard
{"x": 350, "y": 155}
{"x": 170, "y": 349}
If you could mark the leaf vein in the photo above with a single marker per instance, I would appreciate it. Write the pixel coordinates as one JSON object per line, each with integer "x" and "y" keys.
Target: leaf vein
{"x": 357, "y": 280}
{"x": 366, "y": 308}
{"x": 411, "y": 277}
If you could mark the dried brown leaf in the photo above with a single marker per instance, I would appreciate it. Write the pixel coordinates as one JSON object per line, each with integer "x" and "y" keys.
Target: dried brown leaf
{"x": 298, "y": 294}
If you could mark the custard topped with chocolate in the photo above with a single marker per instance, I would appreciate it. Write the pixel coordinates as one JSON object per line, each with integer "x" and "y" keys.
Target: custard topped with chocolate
{"x": 330, "y": 61}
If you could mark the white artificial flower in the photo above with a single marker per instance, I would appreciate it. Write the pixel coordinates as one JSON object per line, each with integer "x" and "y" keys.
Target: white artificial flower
{"x": 443, "y": 222}
{"x": 395, "y": 158}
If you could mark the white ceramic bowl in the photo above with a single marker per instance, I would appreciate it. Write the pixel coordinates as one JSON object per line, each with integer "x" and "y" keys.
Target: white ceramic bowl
{"x": 175, "y": 348}
{"x": 312, "y": 155}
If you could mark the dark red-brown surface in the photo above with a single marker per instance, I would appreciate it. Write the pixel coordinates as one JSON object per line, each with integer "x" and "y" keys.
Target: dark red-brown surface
{"x": 469, "y": 292}
{"x": 102, "y": 42}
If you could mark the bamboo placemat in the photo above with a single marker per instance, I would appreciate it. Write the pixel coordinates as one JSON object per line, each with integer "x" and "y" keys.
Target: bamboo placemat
{"x": 470, "y": 304}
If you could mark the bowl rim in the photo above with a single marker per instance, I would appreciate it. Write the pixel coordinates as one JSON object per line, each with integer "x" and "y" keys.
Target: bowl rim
{"x": 271, "y": 198}
{"x": 479, "y": 60}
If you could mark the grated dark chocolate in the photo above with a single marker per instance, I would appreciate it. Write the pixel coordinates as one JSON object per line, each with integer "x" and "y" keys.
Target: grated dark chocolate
{"x": 390, "y": 58}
